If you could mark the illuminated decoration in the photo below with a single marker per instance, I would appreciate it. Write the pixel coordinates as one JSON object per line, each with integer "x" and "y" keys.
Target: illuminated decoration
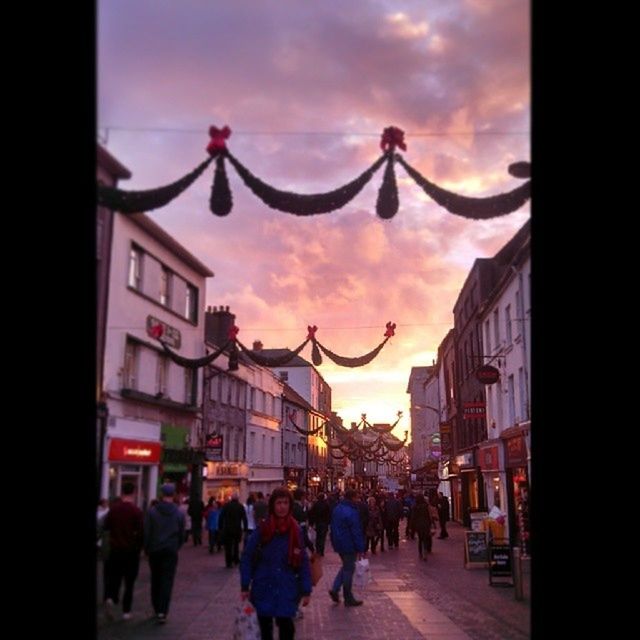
{"x": 233, "y": 343}
{"x": 221, "y": 201}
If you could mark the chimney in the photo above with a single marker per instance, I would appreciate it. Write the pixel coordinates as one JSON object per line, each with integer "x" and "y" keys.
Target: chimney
{"x": 257, "y": 345}
{"x": 217, "y": 324}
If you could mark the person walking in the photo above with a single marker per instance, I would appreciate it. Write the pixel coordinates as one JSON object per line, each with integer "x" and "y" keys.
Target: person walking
{"x": 124, "y": 525}
{"x": 443, "y": 513}
{"x": 421, "y": 524}
{"x": 347, "y": 540}
{"x": 231, "y": 524}
{"x": 195, "y": 511}
{"x": 275, "y": 573}
{"x": 163, "y": 537}
{"x": 320, "y": 518}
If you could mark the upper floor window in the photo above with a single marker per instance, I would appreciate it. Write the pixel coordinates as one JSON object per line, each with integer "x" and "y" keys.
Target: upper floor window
{"x": 165, "y": 287}
{"x": 284, "y": 376}
{"x": 496, "y": 328}
{"x": 507, "y": 322}
{"x": 130, "y": 371}
{"x": 162, "y": 375}
{"x": 487, "y": 336}
{"x": 191, "y": 303}
{"x": 135, "y": 268}
{"x": 189, "y": 386}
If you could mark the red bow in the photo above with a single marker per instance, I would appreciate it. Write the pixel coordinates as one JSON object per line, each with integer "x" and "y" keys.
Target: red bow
{"x": 233, "y": 332}
{"x": 156, "y": 331}
{"x": 311, "y": 332}
{"x": 390, "y": 329}
{"x": 392, "y": 137}
{"x": 218, "y": 137}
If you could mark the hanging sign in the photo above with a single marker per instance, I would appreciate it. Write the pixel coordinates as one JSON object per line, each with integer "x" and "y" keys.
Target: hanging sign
{"x": 213, "y": 448}
{"x": 486, "y": 374}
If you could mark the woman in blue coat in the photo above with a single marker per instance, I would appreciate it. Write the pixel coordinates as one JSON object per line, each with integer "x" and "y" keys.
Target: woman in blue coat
{"x": 274, "y": 568}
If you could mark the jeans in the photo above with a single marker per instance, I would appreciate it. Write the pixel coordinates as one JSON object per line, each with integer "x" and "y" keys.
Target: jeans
{"x": 163, "y": 565}
{"x": 118, "y": 566}
{"x": 285, "y": 626}
{"x": 344, "y": 577}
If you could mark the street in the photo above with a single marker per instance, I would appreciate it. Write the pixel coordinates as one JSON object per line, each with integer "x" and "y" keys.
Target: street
{"x": 407, "y": 599}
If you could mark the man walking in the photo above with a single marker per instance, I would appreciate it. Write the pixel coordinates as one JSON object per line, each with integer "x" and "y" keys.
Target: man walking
{"x": 347, "y": 540}
{"x": 443, "y": 515}
{"x": 123, "y": 524}
{"x": 163, "y": 536}
{"x": 231, "y": 524}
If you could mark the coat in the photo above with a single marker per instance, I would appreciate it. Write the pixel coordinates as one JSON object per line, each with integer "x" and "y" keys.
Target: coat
{"x": 276, "y": 588}
{"x": 346, "y": 529}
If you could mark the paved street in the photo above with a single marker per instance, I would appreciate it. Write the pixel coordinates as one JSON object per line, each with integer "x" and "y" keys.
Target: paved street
{"x": 407, "y": 600}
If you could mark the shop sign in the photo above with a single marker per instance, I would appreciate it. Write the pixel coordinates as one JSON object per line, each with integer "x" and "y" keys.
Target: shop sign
{"x": 516, "y": 452}
{"x": 465, "y": 459}
{"x": 161, "y": 330}
{"x": 213, "y": 448}
{"x": 486, "y": 374}
{"x": 473, "y": 410}
{"x": 134, "y": 451}
{"x": 445, "y": 439}
{"x": 489, "y": 458}
{"x": 227, "y": 470}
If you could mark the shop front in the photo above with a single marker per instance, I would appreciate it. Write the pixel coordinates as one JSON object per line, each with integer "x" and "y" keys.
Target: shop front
{"x": 224, "y": 479}
{"x": 471, "y": 487}
{"x": 175, "y": 465}
{"x": 517, "y": 478}
{"x": 294, "y": 477}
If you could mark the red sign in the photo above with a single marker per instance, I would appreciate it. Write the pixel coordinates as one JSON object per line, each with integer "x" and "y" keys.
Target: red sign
{"x": 516, "y": 452}
{"x": 473, "y": 410}
{"x": 489, "y": 458}
{"x": 134, "y": 451}
{"x": 486, "y": 374}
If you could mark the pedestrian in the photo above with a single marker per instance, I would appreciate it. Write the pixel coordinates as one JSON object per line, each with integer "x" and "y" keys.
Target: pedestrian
{"x": 260, "y": 508}
{"x": 443, "y": 513}
{"x": 275, "y": 572}
{"x": 374, "y": 525}
{"x": 421, "y": 524}
{"x": 195, "y": 511}
{"x": 320, "y": 518}
{"x": 347, "y": 540}
{"x": 124, "y": 525}
{"x": 163, "y": 537}
{"x": 231, "y": 524}
{"x": 212, "y": 517}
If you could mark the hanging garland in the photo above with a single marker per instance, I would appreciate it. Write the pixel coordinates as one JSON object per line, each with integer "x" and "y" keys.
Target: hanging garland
{"x": 387, "y": 204}
{"x": 267, "y": 361}
{"x": 304, "y": 432}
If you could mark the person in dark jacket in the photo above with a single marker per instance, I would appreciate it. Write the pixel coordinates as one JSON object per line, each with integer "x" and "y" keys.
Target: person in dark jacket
{"x": 320, "y": 518}
{"x": 124, "y": 524}
{"x": 421, "y": 524}
{"x": 443, "y": 514}
{"x": 195, "y": 511}
{"x": 275, "y": 573}
{"x": 163, "y": 537}
{"x": 231, "y": 525}
{"x": 347, "y": 540}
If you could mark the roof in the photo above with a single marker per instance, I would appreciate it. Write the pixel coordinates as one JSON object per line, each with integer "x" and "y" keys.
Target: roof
{"x": 110, "y": 164}
{"x": 276, "y": 353}
{"x": 169, "y": 242}
{"x": 292, "y": 395}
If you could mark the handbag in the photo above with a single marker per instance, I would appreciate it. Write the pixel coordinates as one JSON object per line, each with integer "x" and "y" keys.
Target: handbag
{"x": 362, "y": 575}
{"x": 246, "y": 625}
{"x": 316, "y": 568}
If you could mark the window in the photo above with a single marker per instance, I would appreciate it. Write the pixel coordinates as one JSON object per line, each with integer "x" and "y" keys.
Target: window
{"x": 252, "y": 446}
{"x": 284, "y": 376}
{"x": 135, "y": 268}
{"x": 162, "y": 374}
{"x": 165, "y": 287}
{"x": 130, "y": 372}
{"x": 512, "y": 401}
{"x": 496, "y": 328}
{"x": 286, "y": 453}
{"x": 487, "y": 336}
{"x": 507, "y": 322}
{"x": 189, "y": 386}
{"x": 263, "y": 449}
{"x": 236, "y": 445}
{"x": 191, "y": 303}
{"x": 524, "y": 414}
{"x": 273, "y": 450}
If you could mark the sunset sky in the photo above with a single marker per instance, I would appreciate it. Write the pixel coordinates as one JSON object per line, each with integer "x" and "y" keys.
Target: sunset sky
{"x": 307, "y": 88}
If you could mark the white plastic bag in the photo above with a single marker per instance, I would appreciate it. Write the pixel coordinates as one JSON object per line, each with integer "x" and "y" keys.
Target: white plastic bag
{"x": 311, "y": 534}
{"x": 362, "y": 575}
{"x": 246, "y": 626}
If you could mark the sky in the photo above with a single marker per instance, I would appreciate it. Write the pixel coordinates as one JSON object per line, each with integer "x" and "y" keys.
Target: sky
{"x": 307, "y": 89}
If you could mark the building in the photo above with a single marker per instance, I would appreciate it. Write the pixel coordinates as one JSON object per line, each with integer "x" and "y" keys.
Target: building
{"x": 152, "y": 405}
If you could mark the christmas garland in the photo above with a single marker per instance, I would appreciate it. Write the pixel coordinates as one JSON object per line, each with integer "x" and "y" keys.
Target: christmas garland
{"x": 387, "y": 204}
{"x": 275, "y": 361}
{"x": 304, "y": 432}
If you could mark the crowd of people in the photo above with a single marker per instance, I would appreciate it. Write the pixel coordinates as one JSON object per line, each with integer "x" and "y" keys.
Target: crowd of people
{"x": 279, "y": 535}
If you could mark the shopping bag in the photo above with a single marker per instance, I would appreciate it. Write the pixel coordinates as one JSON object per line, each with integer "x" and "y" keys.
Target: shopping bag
{"x": 246, "y": 626}
{"x": 362, "y": 575}
{"x": 311, "y": 534}
{"x": 316, "y": 568}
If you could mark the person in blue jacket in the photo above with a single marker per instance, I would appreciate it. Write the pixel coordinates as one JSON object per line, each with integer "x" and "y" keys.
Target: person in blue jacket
{"x": 275, "y": 573}
{"x": 347, "y": 540}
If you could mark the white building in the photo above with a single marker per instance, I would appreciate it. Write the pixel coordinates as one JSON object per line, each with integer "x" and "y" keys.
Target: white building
{"x": 154, "y": 405}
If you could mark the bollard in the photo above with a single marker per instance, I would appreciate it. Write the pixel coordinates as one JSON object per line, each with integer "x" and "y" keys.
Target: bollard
{"x": 517, "y": 574}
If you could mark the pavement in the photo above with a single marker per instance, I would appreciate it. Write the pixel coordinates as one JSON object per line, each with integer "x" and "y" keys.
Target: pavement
{"x": 407, "y": 600}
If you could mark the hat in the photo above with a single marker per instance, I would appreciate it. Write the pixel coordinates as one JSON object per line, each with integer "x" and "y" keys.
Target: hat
{"x": 168, "y": 489}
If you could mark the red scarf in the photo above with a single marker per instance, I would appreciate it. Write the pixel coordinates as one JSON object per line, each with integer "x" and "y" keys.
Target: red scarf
{"x": 268, "y": 528}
